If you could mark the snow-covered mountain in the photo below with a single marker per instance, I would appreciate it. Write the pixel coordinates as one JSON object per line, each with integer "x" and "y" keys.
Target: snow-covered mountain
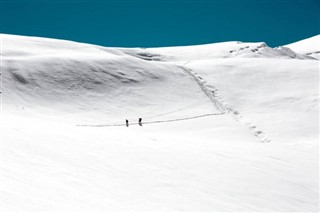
{"x": 309, "y": 47}
{"x": 215, "y": 51}
{"x": 229, "y": 126}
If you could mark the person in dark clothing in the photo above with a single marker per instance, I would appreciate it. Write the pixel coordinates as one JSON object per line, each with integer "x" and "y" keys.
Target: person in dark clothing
{"x": 140, "y": 121}
{"x": 127, "y": 122}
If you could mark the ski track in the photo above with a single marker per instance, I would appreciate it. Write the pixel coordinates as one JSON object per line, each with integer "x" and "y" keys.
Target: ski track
{"x": 171, "y": 112}
{"x": 222, "y": 106}
{"x": 150, "y": 122}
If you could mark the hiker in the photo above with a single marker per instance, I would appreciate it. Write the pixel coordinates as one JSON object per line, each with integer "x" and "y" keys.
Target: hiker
{"x": 140, "y": 121}
{"x": 127, "y": 122}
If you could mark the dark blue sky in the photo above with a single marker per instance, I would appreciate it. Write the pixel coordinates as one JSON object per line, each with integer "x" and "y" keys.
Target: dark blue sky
{"x": 163, "y": 23}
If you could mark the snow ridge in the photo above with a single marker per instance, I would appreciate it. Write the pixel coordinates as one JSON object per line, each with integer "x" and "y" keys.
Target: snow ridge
{"x": 222, "y": 106}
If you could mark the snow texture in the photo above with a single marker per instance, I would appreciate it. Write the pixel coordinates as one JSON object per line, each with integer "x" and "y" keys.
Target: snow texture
{"x": 309, "y": 47}
{"x": 230, "y": 126}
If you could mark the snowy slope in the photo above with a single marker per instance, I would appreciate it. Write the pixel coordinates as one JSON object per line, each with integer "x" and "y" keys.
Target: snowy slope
{"x": 213, "y": 51}
{"x": 309, "y": 46}
{"x": 274, "y": 89}
{"x": 282, "y": 102}
{"x": 75, "y": 78}
{"x": 226, "y": 127}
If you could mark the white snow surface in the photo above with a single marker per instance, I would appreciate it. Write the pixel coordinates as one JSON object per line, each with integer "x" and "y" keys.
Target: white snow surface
{"x": 230, "y": 126}
{"x": 310, "y": 46}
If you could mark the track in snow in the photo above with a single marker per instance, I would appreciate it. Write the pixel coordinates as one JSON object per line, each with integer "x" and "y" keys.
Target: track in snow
{"x": 151, "y": 122}
{"x": 220, "y": 104}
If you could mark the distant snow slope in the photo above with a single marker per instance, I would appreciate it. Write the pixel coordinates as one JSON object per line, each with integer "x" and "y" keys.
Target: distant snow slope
{"x": 212, "y": 51}
{"x": 226, "y": 127}
{"x": 309, "y": 46}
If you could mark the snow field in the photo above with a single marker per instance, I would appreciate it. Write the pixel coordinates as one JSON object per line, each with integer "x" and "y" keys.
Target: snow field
{"x": 51, "y": 161}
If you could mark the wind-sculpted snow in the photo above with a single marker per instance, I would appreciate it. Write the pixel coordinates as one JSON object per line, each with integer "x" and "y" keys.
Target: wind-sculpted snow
{"x": 65, "y": 146}
{"x": 85, "y": 78}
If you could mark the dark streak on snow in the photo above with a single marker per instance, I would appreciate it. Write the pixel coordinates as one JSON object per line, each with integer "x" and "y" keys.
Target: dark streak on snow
{"x": 151, "y": 122}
